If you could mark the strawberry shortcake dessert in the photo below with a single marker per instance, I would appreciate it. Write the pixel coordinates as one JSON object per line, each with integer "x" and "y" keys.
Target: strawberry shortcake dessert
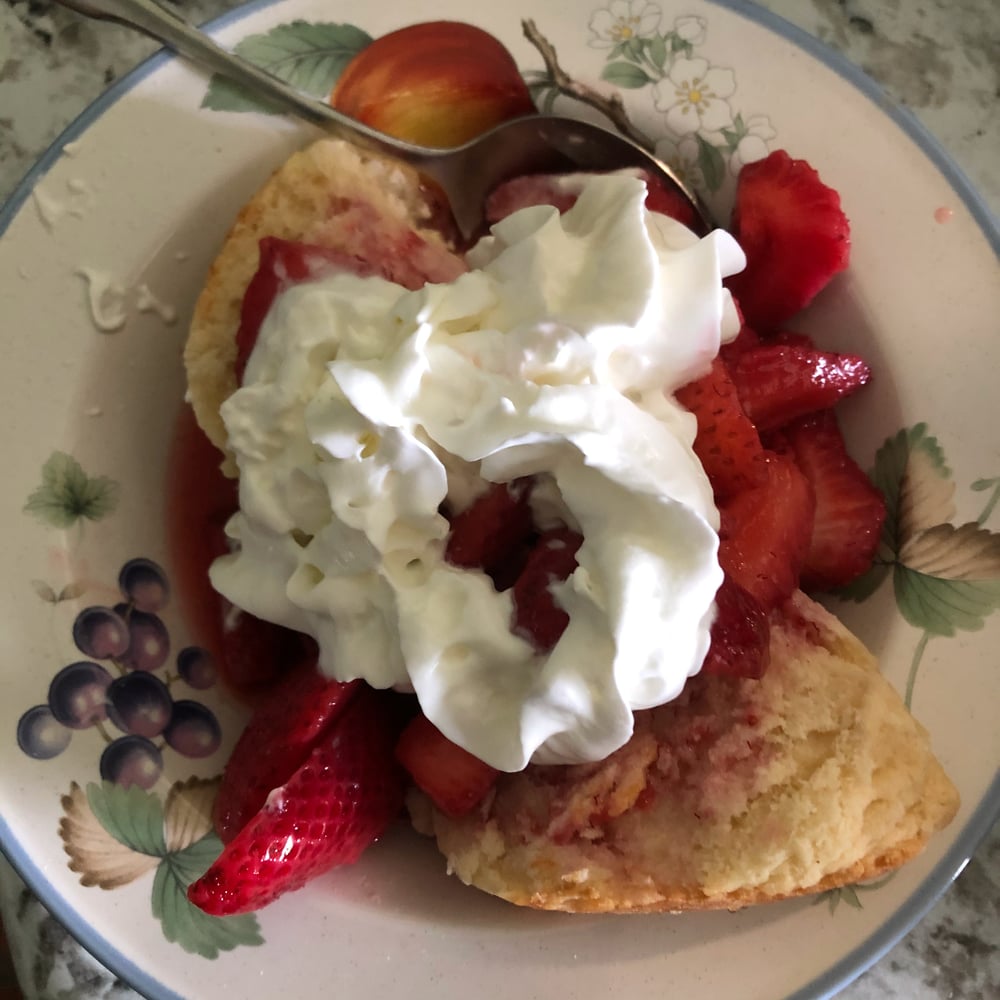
{"x": 536, "y": 518}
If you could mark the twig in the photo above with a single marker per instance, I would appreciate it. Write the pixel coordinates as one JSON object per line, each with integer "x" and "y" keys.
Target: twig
{"x": 611, "y": 106}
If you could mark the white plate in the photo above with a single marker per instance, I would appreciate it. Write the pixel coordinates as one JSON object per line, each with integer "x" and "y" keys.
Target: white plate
{"x": 140, "y": 190}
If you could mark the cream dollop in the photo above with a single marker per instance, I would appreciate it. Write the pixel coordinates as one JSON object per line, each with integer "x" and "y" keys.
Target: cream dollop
{"x": 365, "y": 407}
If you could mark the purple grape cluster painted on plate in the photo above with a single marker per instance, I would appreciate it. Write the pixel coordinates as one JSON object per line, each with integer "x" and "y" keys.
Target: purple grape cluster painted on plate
{"x": 124, "y": 686}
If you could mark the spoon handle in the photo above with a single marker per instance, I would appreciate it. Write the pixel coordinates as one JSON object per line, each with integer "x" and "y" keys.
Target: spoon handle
{"x": 173, "y": 31}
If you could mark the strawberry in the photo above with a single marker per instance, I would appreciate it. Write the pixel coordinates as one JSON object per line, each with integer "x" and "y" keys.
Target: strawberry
{"x": 764, "y": 532}
{"x": 661, "y": 197}
{"x": 727, "y": 443}
{"x": 740, "y": 634}
{"x": 780, "y": 382}
{"x": 453, "y": 778}
{"x": 792, "y": 338}
{"x": 541, "y": 189}
{"x": 255, "y": 654}
{"x": 850, "y": 511}
{"x": 794, "y": 234}
{"x": 281, "y": 734}
{"x": 340, "y": 799}
{"x": 536, "y": 614}
{"x": 742, "y": 342}
{"x": 356, "y": 239}
{"x": 525, "y": 192}
{"x": 284, "y": 263}
{"x": 492, "y": 529}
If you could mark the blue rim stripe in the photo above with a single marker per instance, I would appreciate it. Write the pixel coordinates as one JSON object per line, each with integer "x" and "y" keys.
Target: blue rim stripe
{"x": 979, "y": 823}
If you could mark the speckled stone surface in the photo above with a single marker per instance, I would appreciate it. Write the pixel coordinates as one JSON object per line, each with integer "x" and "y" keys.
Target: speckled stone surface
{"x": 940, "y": 58}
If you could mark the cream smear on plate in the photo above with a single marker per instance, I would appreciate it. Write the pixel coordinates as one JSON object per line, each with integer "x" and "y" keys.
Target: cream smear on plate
{"x": 366, "y": 407}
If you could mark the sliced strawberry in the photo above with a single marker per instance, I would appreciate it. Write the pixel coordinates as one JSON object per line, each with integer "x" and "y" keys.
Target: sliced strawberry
{"x": 764, "y": 532}
{"x": 777, "y": 383}
{"x": 453, "y": 778}
{"x": 794, "y": 234}
{"x": 536, "y": 614}
{"x": 256, "y": 654}
{"x": 542, "y": 189}
{"x": 727, "y": 443}
{"x": 850, "y": 511}
{"x": 526, "y": 192}
{"x": 741, "y": 635}
{"x": 793, "y": 339}
{"x": 742, "y": 342}
{"x": 284, "y": 263}
{"x": 340, "y": 799}
{"x": 667, "y": 200}
{"x": 492, "y": 528}
{"x": 355, "y": 239}
{"x": 281, "y": 734}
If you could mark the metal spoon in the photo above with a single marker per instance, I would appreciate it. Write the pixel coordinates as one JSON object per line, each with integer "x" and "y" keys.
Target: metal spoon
{"x": 466, "y": 174}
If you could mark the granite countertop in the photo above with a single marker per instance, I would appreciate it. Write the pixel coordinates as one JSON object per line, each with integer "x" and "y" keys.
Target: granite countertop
{"x": 940, "y": 58}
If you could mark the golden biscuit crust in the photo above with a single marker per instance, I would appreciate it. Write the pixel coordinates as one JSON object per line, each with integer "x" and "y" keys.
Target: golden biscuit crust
{"x": 301, "y": 201}
{"x": 740, "y": 792}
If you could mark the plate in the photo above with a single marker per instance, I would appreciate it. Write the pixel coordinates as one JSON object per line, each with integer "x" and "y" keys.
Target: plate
{"x": 102, "y": 252}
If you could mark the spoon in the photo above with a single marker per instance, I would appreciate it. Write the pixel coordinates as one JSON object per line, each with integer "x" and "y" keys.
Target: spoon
{"x": 466, "y": 174}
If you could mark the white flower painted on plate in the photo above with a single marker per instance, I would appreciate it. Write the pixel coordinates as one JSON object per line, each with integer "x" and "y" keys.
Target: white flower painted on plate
{"x": 681, "y": 157}
{"x": 691, "y": 29}
{"x": 753, "y": 145}
{"x": 694, "y": 96}
{"x": 621, "y": 21}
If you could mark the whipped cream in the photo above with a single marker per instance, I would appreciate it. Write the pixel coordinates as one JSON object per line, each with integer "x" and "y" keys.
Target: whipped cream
{"x": 366, "y": 407}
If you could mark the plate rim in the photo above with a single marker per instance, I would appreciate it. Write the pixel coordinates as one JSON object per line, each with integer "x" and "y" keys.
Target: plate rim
{"x": 980, "y": 821}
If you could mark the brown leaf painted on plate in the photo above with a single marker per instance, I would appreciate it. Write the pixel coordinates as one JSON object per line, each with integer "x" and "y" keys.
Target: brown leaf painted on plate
{"x": 966, "y": 552}
{"x": 187, "y": 815}
{"x": 926, "y": 496}
{"x": 97, "y": 857}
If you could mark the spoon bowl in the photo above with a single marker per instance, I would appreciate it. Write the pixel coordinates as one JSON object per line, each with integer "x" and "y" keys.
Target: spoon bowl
{"x": 466, "y": 174}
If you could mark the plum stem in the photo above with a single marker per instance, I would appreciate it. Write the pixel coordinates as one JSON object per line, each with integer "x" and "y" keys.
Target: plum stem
{"x": 611, "y": 106}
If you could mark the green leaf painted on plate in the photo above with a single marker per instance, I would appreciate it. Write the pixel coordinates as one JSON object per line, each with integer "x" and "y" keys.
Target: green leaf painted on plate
{"x": 308, "y": 56}
{"x": 712, "y": 164}
{"x": 680, "y": 46}
{"x": 633, "y": 48}
{"x": 850, "y": 896}
{"x": 735, "y": 135}
{"x": 656, "y": 48}
{"x": 193, "y": 861}
{"x": 993, "y": 486}
{"x": 132, "y": 816}
{"x": 944, "y": 607}
{"x": 732, "y": 138}
{"x": 183, "y": 923}
{"x": 829, "y": 896}
{"x": 68, "y": 494}
{"x": 626, "y": 75}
